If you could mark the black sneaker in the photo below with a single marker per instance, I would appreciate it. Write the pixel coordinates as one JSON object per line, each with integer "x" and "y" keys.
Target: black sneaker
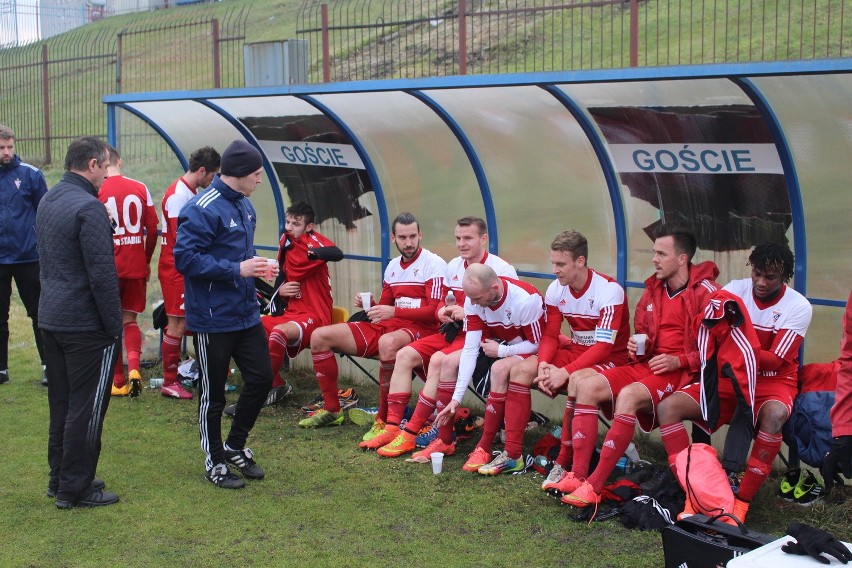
{"x": 220, "y": 476}
{"x": 4, "y": 376}
{"x": 97, "y": 485}
{"x": 808, "y": 491}
{"x": 789, "y": 483}
{"x": 243, "y": 461}
{"x": 278, "y": 394}
{"x": 96, "y": 498}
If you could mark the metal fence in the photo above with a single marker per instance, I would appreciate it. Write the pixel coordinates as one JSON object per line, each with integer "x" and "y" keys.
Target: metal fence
{"x": 74, "y": 71}
{"x": 372, "y": 39}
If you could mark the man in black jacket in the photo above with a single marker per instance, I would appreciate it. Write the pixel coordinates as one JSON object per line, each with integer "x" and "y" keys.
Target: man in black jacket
{"x": 80, "y": 321}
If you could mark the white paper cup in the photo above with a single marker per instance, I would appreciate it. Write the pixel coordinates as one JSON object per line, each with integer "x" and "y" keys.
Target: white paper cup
{"x": 437, "y": 462}
{"x": 365, "y": 299}
{"x": 641, "y": 339}
{"x": 271, "y": 263}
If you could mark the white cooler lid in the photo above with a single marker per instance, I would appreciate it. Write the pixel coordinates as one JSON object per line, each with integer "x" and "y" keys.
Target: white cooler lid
{"x": 771, "y": 556}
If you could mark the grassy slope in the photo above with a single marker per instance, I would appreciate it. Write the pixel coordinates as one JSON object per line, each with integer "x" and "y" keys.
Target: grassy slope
{"x": 323, "y": 503}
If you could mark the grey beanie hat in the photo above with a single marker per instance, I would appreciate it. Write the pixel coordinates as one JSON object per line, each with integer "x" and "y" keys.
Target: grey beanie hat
{"x": 240, "y": 159}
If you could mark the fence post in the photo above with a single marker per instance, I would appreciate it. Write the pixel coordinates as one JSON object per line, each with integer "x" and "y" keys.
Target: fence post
{"x": 326, "y": 58}
{"x": 462, "y": 37}
{"x": 217, "y": 71}
{"x": 45, "y": 95}
{"x": 634, "y": 33}
{"x": 118, "y": 55}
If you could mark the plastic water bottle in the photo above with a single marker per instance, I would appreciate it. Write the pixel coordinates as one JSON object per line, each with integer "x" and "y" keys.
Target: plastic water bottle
{"x": 621, "y": 465}
{"x": 450, "y": 300}
{"x": 631, "y": 453}
{"x": 155, "y": 383}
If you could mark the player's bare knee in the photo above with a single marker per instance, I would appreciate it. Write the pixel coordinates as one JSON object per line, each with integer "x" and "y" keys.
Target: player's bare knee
{"x": 772, "y": 417}
{"x": 408, "y": 358}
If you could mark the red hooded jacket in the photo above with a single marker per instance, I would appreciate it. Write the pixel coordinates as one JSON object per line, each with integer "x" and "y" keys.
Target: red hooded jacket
{"x": 701, "y": 284}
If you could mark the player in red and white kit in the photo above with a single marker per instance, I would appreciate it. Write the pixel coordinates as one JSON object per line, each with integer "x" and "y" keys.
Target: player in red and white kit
{"x": 404, "y": 313}
{"x": 134, "y": 238}
{"x": 302, "y": 302}
{"x": 673, "y": 297}
{"x": 504, "y": 318}
{"x": 781, "y": 317}
{"x": 595, "y": 306}
{"x": 203, "y": 165}
{"x": 436, "y": 353}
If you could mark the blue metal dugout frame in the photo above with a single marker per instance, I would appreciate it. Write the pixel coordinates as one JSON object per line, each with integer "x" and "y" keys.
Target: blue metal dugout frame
{"x": 741, "y": 75}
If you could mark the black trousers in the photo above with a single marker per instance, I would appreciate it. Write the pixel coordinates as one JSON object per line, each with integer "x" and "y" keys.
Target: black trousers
{"x": 29, "y": 288}
{"x": 250, "y": 352}
{"x": 79, "y": 373}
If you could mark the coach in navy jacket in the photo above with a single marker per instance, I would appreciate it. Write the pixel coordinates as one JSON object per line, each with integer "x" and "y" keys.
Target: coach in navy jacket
{"x": 215, "y": 253}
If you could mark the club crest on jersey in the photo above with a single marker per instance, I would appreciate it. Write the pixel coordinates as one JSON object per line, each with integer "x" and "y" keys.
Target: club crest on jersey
{"x": 232, "y": 224}
{"x": 416, "y": 270}
{"x": 775, "y": 315}
{"x": 509, "y": 313}
{"x": 17, "y": 183}
{"x": 649, "y": 308}
{"x": 591, "y": 303}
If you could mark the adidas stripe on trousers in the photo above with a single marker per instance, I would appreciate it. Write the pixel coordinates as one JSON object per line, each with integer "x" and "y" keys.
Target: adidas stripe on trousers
{"x": 79, "y": 374}
{"x": 250, "y": 351}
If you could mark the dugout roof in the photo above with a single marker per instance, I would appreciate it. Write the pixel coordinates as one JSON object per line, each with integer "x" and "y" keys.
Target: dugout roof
{"x": 743, "y": 154}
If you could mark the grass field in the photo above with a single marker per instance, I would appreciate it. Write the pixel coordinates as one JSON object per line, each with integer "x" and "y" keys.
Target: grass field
{"x": 323, "y": 502}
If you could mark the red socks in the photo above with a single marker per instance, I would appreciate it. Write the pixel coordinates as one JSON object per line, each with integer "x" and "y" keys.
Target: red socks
{"x": 445, "y": 395}
{"x": 584, "y": 438}
{"x": 325, "y": 367}
{"x": 566, "y": 446}
{"x": 277, "y": 354}
{"x": 759, "y": 464}
{"x": 495, "y": 407}
{"x": 133, "y": 345}
{"x": 615, "y": 443}
{"x": 396, "y": 407}
{"x": 675, "y": 439}
{"x": 424, "y": 409}
{"x": 171, "y": 358}
{"x": 518, "y": 406}
{"x": 118, "y": 374}
{"x": 385, "y": 373}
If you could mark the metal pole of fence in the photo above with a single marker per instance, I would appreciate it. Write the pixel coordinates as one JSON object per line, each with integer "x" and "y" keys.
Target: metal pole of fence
{"x": 118, "y": 50}
{"x": 634, "y": 33}
{"x": 326, "y": 59}
{"x": 45, "y": 95}
{"x": 462, "y": 37}
{"x": 217, "y": 71}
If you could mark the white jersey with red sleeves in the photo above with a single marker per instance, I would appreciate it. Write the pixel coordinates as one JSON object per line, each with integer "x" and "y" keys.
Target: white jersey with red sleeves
{"x": 135, "y": 235}
{"x": 516, "y": 317}
{"x": 457, "y": 266}
{"x": 599, "y": 312}
{"x": 173, "y": 201}
{"x": 780, "y": 324}
{"x": 516, "y": 320}
{"x": 411, "y": 285}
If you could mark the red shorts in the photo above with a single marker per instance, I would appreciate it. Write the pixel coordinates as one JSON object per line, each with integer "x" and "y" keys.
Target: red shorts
{"x": 659, "y": 388}
{"x": 307, "y": 325}
{"x": 567, "y": 353}
{"x": 367, "y": 334}
{"x": 133, "y": 293}
{"x": 767, "y": 389}
{"x": 173, "y": 299}
{"x": 431, "y": 344}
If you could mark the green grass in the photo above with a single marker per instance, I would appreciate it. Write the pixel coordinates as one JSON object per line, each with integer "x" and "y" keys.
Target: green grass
{"x": 323, "y": 502}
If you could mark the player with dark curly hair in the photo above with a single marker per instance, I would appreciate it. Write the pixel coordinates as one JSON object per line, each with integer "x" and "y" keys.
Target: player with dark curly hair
{"x": 781, "y": 317}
